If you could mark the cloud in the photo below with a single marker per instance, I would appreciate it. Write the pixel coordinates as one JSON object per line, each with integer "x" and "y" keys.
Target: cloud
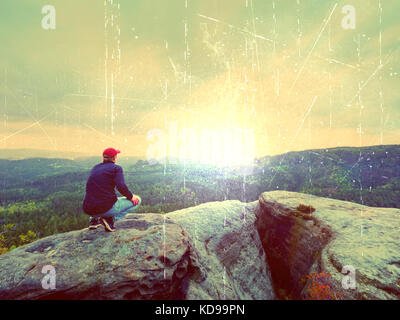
{"x": 226, "y": 72}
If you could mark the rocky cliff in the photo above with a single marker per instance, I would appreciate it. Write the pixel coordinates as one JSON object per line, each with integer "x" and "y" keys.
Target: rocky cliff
{"x": 343, "y": 239}
{"x": 211, "y": 251}
{"x": 220, "y": 250}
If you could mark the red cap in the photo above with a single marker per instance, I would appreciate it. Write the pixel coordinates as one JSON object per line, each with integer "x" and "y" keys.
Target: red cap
{"x": 110, "y": 152}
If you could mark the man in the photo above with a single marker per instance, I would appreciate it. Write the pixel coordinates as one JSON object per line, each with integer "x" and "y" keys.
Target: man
{"x": 101, "y": 202}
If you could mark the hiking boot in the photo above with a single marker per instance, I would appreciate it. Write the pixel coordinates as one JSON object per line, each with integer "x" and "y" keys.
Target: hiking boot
{"x": 108, "y": 224}
{"x": 94, "y": 223}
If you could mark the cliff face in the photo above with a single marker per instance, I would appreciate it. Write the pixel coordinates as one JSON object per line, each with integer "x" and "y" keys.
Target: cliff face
{"x": 336, "y": 237}
{"x": 218, "y": 250}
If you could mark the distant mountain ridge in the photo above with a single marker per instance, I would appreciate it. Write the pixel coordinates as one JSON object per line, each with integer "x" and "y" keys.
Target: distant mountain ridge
{"x": 20, "y": 154}
{"x": 367, "y": 175}
{"x": 26, "y": 153}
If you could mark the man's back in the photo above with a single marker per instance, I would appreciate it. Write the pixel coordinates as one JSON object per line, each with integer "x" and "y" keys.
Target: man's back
{"x": 100, "y": 194}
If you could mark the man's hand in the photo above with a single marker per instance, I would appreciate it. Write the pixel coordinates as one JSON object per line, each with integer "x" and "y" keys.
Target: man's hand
{"x": 135, "y": 200}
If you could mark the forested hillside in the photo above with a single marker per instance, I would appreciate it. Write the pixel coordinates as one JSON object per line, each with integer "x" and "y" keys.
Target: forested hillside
{"x": 40, "y": 197}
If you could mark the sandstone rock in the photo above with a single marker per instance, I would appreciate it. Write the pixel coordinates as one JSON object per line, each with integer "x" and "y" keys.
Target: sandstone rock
{"x": 337, "y": 234}
{"x": 219, "y": 250}
{"x": 94, "y": 264}
{"x": 207, "y": 252}
{"x": 230, "y": 249}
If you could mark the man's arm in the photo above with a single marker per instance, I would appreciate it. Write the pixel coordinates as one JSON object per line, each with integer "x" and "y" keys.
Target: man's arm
{"x": 120, "y": 183}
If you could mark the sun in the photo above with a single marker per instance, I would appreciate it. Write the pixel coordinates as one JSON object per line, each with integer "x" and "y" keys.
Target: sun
{"x": 218, "y": 146}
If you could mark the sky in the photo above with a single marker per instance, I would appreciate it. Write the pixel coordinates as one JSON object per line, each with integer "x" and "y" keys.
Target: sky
{"x": 205, "y": 79}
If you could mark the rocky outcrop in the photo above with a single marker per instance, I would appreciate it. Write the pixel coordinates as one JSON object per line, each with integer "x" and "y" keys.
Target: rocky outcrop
{"x": 338, "y": 235}
{"x": 94, "y": 264}
{"x": 220, "y": 250}
{"x": 196, "y": 253}
{"x": 229, "y": 247}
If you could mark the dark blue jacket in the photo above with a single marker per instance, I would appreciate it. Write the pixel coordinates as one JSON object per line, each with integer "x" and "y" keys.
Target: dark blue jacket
{"x": 100, "y": 195}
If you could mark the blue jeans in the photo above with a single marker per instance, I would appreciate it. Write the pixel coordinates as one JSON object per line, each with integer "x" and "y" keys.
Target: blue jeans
{"x": 120, "y": 208}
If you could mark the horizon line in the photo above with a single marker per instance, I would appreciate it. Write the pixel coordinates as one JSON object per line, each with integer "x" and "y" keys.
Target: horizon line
{"x": 84, "y": 155}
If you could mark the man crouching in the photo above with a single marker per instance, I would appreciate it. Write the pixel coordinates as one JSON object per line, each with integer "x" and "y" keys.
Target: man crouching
{"x": 101, "y": 202}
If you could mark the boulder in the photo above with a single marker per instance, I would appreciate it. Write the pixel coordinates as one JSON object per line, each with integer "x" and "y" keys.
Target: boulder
{"x": 336, "y": 238}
